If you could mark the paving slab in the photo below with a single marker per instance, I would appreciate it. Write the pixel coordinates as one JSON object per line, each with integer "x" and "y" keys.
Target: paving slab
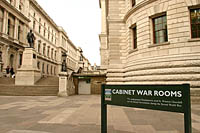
{"x": 82, "y": 114}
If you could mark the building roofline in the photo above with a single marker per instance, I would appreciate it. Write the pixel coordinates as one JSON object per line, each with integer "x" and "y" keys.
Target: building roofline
{"x": 34, "y": 2}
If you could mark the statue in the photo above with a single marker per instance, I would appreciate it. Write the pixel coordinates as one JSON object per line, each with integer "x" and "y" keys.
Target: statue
{"x": 64, "y": 67}
{"x": 31, "y": 39}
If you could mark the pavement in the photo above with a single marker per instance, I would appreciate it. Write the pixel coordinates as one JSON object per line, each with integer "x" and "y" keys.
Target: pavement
{"x": 81, "y": 114}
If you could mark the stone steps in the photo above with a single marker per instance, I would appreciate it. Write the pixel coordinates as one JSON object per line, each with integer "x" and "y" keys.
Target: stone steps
{"x": 48, "y": 81}
{"x": 47, "y": 86}
{"x": 7, "y": 81}
{"x": 37, "y": 90}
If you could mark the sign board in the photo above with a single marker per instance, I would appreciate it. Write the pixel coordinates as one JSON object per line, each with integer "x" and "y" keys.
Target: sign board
{"x": 172, "y": 98}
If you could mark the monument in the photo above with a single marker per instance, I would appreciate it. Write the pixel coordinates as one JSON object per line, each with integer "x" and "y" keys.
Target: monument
{"x": 63, "y": 77}
{"x": 31, "y": 39}
{"x": 28, "y": 74}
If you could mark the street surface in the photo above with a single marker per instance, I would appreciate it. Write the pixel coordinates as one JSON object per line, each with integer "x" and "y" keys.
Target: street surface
{"x": 81, "y": 114}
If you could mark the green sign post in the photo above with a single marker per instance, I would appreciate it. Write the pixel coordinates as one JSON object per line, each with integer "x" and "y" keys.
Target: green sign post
{"x": 172, "y": 98}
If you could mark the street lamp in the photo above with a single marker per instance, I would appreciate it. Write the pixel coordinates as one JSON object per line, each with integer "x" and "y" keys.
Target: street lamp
{"x": 64, "y": 64}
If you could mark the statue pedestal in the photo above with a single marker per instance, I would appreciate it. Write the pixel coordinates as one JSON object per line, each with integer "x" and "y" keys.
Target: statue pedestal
{"x": 63, "y": 81}
{"x": 28, "y": 74}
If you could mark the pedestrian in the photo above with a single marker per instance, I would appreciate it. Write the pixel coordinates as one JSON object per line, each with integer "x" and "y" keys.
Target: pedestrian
{"x": 11, "y": 71}
{"x": 8, "y": 71}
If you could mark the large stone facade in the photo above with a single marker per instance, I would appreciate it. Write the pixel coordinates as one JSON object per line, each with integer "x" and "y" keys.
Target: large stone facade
{"x": 135, "y": 54}
{"x": 17, "y": 18}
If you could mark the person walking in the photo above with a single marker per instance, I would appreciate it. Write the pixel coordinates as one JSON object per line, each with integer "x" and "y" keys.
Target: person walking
{"x": 8, "y": 71}
{"x": 12, "y": 72}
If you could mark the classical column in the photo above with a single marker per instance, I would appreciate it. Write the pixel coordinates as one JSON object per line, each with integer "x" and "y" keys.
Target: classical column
{"x": 16, "y": 28}
{"x": 5, "y": 22}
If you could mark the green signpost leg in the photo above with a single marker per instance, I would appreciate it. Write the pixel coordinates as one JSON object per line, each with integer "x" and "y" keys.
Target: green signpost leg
{"x": 103, "y": 111}
{"x": 187, "y": 108}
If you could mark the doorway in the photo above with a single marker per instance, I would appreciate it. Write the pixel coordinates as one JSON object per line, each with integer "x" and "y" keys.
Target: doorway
{"x": 84, "y": 87}
{"x": 11, "y": 60}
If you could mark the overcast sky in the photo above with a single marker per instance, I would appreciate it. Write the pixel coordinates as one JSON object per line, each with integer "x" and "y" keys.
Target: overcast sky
{"x": 81, "y": 19}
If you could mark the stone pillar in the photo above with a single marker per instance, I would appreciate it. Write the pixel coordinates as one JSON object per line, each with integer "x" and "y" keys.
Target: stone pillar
{"x": 28, "y": 74}
{"x": 5, "y": 23}
{"x": 63, "y": 82}
{"x": 16, "y": 30}
{"x": 5, "y": 56}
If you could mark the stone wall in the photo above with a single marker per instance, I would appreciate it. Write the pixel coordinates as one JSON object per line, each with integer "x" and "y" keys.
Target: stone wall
{"x": 95, "y": 81}
{"x": 172, "y": 62}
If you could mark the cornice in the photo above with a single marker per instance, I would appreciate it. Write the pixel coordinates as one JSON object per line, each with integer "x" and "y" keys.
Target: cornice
{"x": 14, "y": 11}
{"x": 137, "y": 7}
{"x": 44, "y": 13}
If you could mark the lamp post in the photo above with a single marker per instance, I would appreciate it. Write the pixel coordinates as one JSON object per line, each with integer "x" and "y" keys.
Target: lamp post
{"x": 64, "y": 64}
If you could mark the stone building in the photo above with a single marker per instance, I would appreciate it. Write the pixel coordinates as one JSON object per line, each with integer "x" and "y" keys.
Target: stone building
{"x": 151, "y": 41}
{"x": 52, "y": 45}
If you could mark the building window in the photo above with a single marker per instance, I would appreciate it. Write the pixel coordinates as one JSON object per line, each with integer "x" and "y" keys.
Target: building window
{"x": 48, "y": 32}
{"x": 52, "y": 36}
{"x": 19, "y": 29}
{"x": 48, "y": 51}
{"x": 44, "y": 49}
{"x": 55, "y": 38}
{"x": 20, "y": 60}
{"x": 160, "y": 29}
{"x": 38, "y": 65}
{"x": 44, "y": 29}
{"x": 39, "y": 25}
{"x": 8, "y": 32}
{"x": 133, "y": 2}
{"x": 134, "y": 35}
{"x": 39, "y": 43}
{"x": 54, "y": 70}
{"x": 55, "y": 55}
{"x": 21, "y": 5}
{"x": 51, "y": 70}
{"x": 34, "y": 24}
{"x": 52, "y": 53}
{"x": 39, "y": 28}
{"x": 195, "y": 22}
{"x": 47, "y": 69}
{"x": 43, "y": 68}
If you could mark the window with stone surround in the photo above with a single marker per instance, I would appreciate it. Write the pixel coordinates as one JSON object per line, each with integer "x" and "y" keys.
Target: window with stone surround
{"x": 39, "y": 45}
{"x": 195, "y": 22}
{"x": 48, "y": 51}
{"x": 33, "y": 24}
{"x": 55, "y": 55}
{"x": 160, "y": 34}
{"x": 44, "y": 29}
{"x": 38, "y": 64}
{"x": 52, "y": 53}
{"x": 47, "y": 69}
{"x": 39, "y": 25}
{"x": 133, "y": 3}
{"x": 43, "y": 68}
{"x": 52, "y": 37}
{"x": 8, "y": 30}
{"x": 44, "y": 49}
{"x": 48, "y": 32}
{"x": 19, "y": 29}
{"x": 134, "y": 35}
